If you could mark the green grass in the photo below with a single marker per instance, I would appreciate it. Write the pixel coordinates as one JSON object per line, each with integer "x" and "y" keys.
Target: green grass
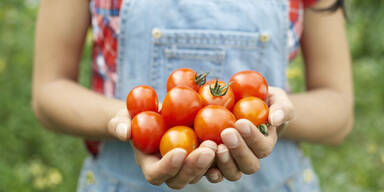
{"x": 34, "y": 159}
{"x": 358, "y": 164}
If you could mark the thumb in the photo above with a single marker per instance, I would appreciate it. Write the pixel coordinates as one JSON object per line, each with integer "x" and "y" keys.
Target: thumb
{"x": 120, "y": 126}
{"x": 281, "y": 108}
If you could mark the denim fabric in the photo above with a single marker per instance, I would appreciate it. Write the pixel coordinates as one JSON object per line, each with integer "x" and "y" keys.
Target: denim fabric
{"x": 220, "y": 36}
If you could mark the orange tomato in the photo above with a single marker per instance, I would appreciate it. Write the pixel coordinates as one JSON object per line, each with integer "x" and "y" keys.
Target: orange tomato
{"x": 217, "y": 93}
{"x": 249, "y": 83}
{"x": 178, "y": 137}
{"x": 253, "y": 109}
{"x": 187, "y": 78}
{"x": 211, "y": 120}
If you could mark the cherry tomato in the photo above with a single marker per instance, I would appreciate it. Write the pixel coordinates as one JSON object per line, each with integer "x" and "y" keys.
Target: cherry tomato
{"x": 180, "y": 106}
{"x": 253, "y": 109}
{"x": 211, "y": 120}
{"x": 179, "y": 136}
{"x": 187, "y": 78}
{"x": 142, "y": 98}
{"x": 249, "y": 83}
{"x": 217, "y": 93}
{"x": 147, "y": 129}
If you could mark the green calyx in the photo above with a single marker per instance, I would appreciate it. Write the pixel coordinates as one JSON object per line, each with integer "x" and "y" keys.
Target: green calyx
{"x": 263, "y": 128}
{"x": 200, "y": 79}
{"x": 219, "y": 90}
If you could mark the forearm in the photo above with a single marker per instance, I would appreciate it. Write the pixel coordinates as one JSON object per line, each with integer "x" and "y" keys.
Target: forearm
{"x": 321, "y": 116}
{"x": 67, "y": 107}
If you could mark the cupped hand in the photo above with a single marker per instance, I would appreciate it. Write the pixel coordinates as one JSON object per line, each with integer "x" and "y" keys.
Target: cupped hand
{"x": 175, "y": 168}
{"x": 244, "y": 145}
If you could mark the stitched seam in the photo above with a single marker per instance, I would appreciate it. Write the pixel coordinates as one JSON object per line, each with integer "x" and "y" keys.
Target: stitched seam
{"x": 212, "y": 55}
{"x": 209, "y": 39}
{"x": 125, "y": 7}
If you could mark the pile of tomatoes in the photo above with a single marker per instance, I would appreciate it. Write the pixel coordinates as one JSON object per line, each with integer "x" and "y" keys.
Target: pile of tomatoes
{"x": 194, "y": 110}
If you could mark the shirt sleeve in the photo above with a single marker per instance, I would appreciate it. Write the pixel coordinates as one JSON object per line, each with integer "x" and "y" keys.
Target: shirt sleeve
{"x": 309, "y": 3}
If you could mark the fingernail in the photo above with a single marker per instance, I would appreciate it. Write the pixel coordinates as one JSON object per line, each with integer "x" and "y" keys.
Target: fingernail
{"x": 210, "y": 144}
{"x": 223, "y": 154}
{"x": 230, "y": 139}
{"x": 178, "y": 158}
{"x": 213, "y": 176}
{"x": 245, "y": 130}
{"x": 121, "y": 130}
{"x": 204, "y": 159}
{"x": 277, "y": 117}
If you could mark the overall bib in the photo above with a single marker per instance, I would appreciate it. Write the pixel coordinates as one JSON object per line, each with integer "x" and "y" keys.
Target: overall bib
{"x": 219, "y": 36}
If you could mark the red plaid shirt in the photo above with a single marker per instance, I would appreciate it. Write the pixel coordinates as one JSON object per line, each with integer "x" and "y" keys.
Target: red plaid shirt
{"x": 105, "y": 25}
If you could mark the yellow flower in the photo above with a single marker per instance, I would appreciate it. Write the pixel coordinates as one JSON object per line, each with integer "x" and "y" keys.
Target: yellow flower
{"x": 372, "y": 148}
{"x": 54, "y": 176}
{"x": 36, "y": 168}
{"x": 2, "y": 65}
{"x": 293, "y": 72}
{"x": 43, "y": 176}
{"x": 382, "y": 158}
{"x": 40, "y": 183}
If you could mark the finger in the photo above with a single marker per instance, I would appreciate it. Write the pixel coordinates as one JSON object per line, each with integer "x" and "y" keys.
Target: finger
{"x": 214, "y": 175}
{"x": 123, "y": 113}
{"x": 120, "y": 126}
{"x": 156, "y": 170}
{"x": 209, "y": 144}
{"x": 196, "y": 179}
{"x": 197, "y": 163}
{"x": 260, "y": 144}
{"x": 281, "y": 108}
{"x": 226, "y": 164}
{"x": 245, "y": 159}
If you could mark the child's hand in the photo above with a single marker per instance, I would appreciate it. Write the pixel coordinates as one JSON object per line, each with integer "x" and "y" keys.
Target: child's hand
{"x": 175, "y": 168}
{"x": 119, "y": 127}
{"x": 244, "y": 144}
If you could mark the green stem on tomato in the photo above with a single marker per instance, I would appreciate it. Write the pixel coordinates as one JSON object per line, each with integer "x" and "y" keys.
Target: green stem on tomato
{"x": 263, "y": 128}
{"x": 201, "y": 79}
{"x": 219, "y": 90}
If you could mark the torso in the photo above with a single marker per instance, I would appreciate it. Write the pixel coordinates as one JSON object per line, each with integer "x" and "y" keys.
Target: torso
{"x": 105, "y": 24}
{"x": 138, "y": 45}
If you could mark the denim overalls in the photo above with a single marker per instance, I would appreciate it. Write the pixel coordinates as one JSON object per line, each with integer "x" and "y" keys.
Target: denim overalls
{"x": 219, "y": 36}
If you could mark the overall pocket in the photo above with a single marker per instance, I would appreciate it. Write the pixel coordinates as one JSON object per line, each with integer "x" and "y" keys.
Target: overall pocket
{"x": 214, "y": 51}
{"x": 200, "y": 60}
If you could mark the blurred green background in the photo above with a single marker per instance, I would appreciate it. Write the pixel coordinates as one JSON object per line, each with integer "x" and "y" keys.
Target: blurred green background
{"x": 34, "y": 159}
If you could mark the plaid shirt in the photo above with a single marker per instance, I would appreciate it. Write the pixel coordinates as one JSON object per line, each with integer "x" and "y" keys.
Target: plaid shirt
{"x": 105, "y": 25}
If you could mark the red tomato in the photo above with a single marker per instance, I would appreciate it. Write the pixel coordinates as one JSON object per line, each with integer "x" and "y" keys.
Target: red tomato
{"x": 211, "y": 120}
{"x": 187, "y": 78}
{"x": 249, "y": 83}
{"x": 142, "y": 98}
{"x": 253, "y": 109}
{"x": 217, "y": 93}
{"x": 180, "y": 106}
{"x": 147, "y": 129}
{"x": 178, "y": 137}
